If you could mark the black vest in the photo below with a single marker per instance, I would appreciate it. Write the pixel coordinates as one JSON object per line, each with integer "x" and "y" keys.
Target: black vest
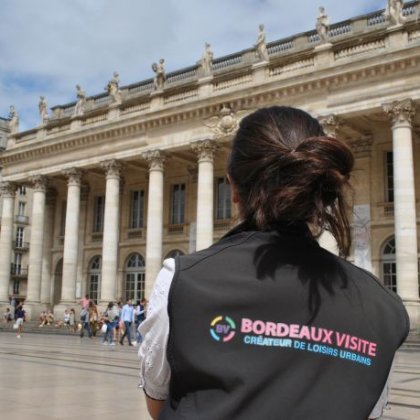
{"x": 268, "y": 325}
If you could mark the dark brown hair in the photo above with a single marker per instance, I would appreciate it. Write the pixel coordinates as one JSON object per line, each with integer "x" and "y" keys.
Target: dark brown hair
{"x": 286, "y": 169}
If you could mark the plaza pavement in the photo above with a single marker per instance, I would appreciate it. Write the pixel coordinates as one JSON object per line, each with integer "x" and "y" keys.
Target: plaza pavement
{"x": 60, "y": 377}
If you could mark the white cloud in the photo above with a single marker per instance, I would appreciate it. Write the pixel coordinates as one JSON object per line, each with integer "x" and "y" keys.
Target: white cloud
{"x": 49, "y": 46}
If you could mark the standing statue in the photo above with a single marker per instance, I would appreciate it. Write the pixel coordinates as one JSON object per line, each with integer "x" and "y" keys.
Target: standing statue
{"x": 43, "y": 109}
{"x": 206, "y": 61}
{"x": 260, "y": 45}
{"x": 394, "y": 12}
{"x": 160, "y": 76}
{"x": 81, "y": 101}
{"x": 113, "y": 88}
{"x": 13, "y": 120}
{"x": 322, "y": 25}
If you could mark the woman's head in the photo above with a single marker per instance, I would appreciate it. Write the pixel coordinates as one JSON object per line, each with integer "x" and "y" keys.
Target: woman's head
{"x": 284, "y": 168}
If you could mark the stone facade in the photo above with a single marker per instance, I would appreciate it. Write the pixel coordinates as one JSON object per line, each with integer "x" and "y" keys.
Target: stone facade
{"x": 122, "y": 184}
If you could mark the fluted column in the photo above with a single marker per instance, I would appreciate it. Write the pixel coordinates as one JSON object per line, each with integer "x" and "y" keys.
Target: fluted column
{"x": 401, "y": 114}
{"x": 154, "y": 236}
{"x": 111, "y": 230}
{"x": 330, "y": 124}
{"x": 50, "y": 203}
{"x": 8, "y": 192}
{"x": 205, "y": 151}
{"x": 71, "y": 236}
{"x": 37, "y": 240}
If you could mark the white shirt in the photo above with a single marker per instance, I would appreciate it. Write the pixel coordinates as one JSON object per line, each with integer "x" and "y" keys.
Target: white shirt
{"x": 155, "y": 372}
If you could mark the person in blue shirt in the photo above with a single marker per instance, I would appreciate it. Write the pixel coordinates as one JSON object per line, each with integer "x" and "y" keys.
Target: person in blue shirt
{"x": 127, "y": 316}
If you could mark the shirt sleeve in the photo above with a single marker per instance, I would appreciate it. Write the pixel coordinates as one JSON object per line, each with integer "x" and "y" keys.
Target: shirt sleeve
{"x": 155, "y": 372}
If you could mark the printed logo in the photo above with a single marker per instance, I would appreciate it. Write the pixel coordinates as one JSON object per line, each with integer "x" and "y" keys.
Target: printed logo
{"x": 222, "y": 328}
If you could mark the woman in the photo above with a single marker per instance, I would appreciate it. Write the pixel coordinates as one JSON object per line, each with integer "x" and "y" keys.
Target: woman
{"x": 266, "y": 324}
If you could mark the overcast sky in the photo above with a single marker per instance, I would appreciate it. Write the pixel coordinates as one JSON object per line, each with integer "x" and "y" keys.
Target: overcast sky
{"x": 49, "y": 46}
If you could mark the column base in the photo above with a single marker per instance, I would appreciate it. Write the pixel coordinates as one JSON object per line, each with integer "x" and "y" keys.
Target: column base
{"x": 413, "y": 309}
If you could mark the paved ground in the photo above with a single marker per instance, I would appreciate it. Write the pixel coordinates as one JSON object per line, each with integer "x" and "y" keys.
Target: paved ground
{"x": 50, "y": 377}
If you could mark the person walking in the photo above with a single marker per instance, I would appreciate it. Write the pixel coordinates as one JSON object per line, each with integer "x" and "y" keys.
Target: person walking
{"x": 85, "y": 321}
{"x": 127, "y": 317}
{"x": 266, "y": 324}
{"x": 20, "y": 315}
{"x": 140, "y": 316}
{"x": 111, "y": 319}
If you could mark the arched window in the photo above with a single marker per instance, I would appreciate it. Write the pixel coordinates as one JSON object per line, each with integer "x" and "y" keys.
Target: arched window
{"x": 134, "y": 277}
{"x": 94, "y": 285}
{"x": 174, "y": 253}
{"x": 389, "y": 265}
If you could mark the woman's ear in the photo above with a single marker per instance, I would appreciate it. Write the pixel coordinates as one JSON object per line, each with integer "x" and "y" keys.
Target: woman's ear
{"x": 234, "y": 191}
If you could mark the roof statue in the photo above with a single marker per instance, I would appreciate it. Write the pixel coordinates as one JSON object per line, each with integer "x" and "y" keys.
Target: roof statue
{"x": 160, "y": 77}
{"x": 206, "y": 61}
{"x": 81, "y": 101}
{"x": 43, "y": 109}
{"x": 394, "y": 12}
{"x": 113, "y": 88}
{"x": 260, "y": 45}
{"x": 13, "y": 120}
{"x": 322, "y": 25}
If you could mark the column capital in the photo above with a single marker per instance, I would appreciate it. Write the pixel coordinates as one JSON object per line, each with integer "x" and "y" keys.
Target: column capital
{"x": 330, "y": 124}
{"x": 112, "y": 168}
{"x": 361, "y": 147}
{"x": 155, "y": 159}
{"x": 205, "y": 150}
{"x": 400, "y": 113}
{"x": 74, "y": 176}
{"x": 7, "y": 189}
{"x": 40, "y": 183}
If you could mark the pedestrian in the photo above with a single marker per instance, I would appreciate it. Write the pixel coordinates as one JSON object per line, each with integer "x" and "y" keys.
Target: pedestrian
{"x": 20, "y": 316}
{"x": 111, "y": 320}
{"x": 85, "y": 321}
{"x": 127, "y": 316}
{"x": 139, "y": 316}
{"x": 117, "y": 321}
{"x": 266, "y": 324}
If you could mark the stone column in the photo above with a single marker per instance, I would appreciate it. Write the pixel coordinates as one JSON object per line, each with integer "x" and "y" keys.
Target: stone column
{"x": 36, "y": 248}
{"x": 111, "y": 230}
{"x": 330, "y": 125}
{"x": 154, "y": 236}
{"x": 50, "y": 203}
{"x": 7, "y": 191}
{"x": 361, "y": 176}
{"x": 401, "y": 114}
{"x": 71, "y": 237}
{"x": 205, "y": 151}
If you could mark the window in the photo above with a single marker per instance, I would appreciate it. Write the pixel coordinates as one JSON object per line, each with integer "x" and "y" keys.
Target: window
{"x": 178, "y": 204}
{"x": 21, "y": 208}
{"x": 95, "y": 268}
{"x": 389, "y": 169}
{"x": 134, "y": 277}
{"x": 137, "y": 209}
{"x": 16, "y": 286}
{"x": 389, "y": 265}
{"x": 223, "y": 199}
{"x": 17, "y": 265}
{"x": 98, "y": 224}
{"x": 19, "y": 237}
{"x": 22, "y": 190}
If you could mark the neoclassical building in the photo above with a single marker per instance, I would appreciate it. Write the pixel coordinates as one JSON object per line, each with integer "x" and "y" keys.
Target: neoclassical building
{"x": 106, "y": 187}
